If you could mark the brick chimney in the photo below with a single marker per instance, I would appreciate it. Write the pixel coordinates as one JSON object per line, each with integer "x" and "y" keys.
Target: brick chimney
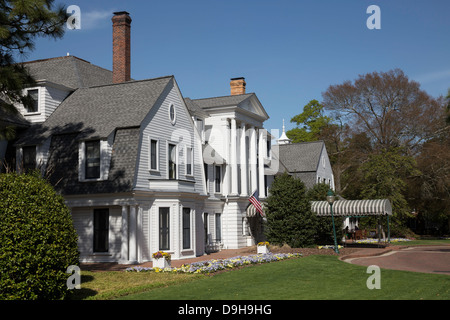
{"x": 237, "y": 86}
{"x": 121, "y": 47}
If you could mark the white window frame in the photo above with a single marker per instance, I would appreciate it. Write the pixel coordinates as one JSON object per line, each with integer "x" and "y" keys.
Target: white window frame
{"x": 183, "y": 228}
{"x": 39, "y": 102}
{"x": 82, "y": 161}
{"x": 221, "y": 180}
{"x": 218, "y": 231}
{"x": 176, "y": 160}
{"x": 191, "y": 160}
{"x": 174, "y": 120}
{"x": 150, "y": 139}
{"x": 169, "y": 231}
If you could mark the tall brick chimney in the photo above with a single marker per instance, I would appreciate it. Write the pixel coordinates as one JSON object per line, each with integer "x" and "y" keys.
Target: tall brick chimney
{"x": 121, "y": 47}
{"x": 237, "y": 86}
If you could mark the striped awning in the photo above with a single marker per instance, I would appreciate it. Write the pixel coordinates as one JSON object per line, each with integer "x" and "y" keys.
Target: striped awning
{"x": 355, "y": 208}
{"x": 252, "y": 212}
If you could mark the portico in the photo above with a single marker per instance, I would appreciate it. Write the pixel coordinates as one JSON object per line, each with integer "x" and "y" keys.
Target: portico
{"x": 234, "y": 129}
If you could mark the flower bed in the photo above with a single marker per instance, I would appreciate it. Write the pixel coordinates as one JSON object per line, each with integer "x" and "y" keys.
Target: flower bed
{"x": 212, "y": 266}
{"x": 374, "y": 240}
{"x": 329, "y": 247}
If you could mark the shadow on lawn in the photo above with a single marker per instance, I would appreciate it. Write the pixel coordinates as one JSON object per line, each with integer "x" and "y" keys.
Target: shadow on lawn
{"x": 83, "y": 293}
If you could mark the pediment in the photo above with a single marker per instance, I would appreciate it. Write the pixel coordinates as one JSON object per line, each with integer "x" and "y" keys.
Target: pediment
{"x": 252, "y": 104}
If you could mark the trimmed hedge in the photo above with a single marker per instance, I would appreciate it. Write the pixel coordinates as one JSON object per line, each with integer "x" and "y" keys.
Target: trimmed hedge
{"x": 37, "y": 239}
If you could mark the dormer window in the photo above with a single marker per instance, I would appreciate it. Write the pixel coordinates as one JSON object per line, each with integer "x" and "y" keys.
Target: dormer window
{"x": 92, "y": 159}
{"x": 34, "y": 106}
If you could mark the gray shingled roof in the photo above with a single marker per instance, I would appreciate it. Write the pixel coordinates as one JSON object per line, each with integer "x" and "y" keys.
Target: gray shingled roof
{"x": 222, "y": 101}
{"x": 63, "y": 161}
{"x": 11, "y": 117}
{"x": 301, "y": 157}
{"x": 98, "y": 111}
{"x": 69, "y": 71}
{"x": 195, "y": 109}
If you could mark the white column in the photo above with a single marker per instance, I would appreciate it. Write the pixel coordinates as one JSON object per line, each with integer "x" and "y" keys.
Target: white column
{"x": 133, "y": 234}
{"x": 124, "y": 249}
{"x": 253, "y": 153}
{"x": 262, "y": 152}
{"x": 233, "y": 156}
{"x": 244, "y": 185}
{"x": 226, "y": 167}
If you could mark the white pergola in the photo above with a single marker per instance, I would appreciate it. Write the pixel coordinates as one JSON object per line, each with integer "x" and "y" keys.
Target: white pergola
{"x": 355, "y": 209}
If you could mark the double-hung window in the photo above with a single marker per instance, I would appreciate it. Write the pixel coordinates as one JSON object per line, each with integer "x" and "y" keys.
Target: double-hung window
{"x": 186, "y": 228}
{"x": 92, "y": 158}
{"x": 154, "y": 154}
{"x": 34, "y": 105}
{"x": 189, "y": 160}
{"x": 218, "y": 227}
{"x": 217, "y": 178}
{"x": 172, "y": 161}
{"x": 164, "y": 228}
{"x": 101, "y": 230}
{"x": 29, "y": 158}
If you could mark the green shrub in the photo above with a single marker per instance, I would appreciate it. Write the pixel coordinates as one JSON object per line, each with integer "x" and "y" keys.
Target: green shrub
{"x": 37, "y": 239}
{"x": 289, "y": 217}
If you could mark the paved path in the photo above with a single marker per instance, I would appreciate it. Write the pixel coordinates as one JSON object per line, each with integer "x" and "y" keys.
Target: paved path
{"x": 429, "y": 259}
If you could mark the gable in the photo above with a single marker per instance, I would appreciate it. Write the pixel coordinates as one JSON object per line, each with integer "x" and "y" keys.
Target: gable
{"x": 159, "y": 126}
{"x": 253, "y": 106}
{"x": 301, "y": 157}
{"x": 248, "y": 104}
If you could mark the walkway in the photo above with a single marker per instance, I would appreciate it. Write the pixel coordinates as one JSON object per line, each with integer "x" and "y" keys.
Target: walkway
{"x": 428, "y": 259}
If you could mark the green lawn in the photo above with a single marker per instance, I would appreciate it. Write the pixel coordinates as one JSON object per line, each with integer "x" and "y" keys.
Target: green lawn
{"x": 114, "y": 284}
{"x": 312, "y": 277}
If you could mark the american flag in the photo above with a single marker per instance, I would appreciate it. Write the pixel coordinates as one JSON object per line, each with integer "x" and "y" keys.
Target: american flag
{"x": 254, "y": 199}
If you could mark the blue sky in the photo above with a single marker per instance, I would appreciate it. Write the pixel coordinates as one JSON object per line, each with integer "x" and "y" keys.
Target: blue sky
{"x": 289, "y": 51}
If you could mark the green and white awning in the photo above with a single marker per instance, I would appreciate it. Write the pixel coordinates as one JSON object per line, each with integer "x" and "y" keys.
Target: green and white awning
{"x": 354, "y": 208}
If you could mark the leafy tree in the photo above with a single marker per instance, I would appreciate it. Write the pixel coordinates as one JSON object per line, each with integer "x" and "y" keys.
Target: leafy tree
{"x": 310, "y": 123}
{"x": 21, "y": 21}
{"x": 37, "y": 239}
{"x": 384, "y": 176}
{"x": 429, "y": 193}
{"x": 391, "y": 109}
{"x": 289, "y": 216}
{"x": 448, "y": 107}
{"x": 324, "y": 226}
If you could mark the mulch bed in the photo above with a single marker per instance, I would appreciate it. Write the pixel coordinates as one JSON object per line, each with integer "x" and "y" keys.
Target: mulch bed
{"x": 314, "y": 251}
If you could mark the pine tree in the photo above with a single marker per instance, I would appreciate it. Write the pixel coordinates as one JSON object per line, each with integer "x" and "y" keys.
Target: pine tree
{"x": 21, "y": 21}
